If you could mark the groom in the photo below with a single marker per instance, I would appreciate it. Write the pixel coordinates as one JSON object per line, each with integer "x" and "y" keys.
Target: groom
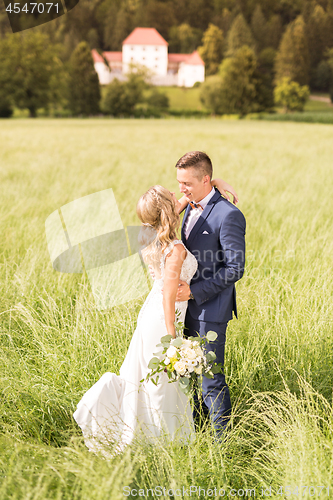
{"x": 213, "y": 230}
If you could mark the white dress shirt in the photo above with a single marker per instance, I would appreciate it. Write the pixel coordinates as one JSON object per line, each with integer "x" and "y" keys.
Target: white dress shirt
{"x": 195, "y": 213}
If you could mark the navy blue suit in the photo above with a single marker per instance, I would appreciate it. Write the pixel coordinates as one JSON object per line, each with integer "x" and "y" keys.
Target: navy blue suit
{"x": 217, "y": 240}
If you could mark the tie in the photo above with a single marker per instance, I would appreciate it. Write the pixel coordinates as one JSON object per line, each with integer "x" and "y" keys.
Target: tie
{"x": 195, "y": 205}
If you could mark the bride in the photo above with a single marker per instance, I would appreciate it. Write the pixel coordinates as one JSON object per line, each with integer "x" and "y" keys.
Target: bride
{"x": 118, "y": 408}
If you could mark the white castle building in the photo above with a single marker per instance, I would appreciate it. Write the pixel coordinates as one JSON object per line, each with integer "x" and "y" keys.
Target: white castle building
{"x": 145, "y": 46}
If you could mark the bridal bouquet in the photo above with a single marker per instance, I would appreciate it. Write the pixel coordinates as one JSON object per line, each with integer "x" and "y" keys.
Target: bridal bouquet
{"x": 184, "y": 359}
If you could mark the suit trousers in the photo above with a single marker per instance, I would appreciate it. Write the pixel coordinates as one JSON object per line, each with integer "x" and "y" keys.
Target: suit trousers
{"x": 215, "y": 392}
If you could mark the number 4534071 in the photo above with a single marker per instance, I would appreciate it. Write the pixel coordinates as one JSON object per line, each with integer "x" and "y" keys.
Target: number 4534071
{"x": 30, "y": 8}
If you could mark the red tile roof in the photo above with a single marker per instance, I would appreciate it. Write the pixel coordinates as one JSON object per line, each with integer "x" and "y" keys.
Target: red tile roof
{"x": 193, "y": 58}
{"x": 145, "y": 36}
{"x": 177, "y": 58}
{"x": 113, "y": 56}
{"x": 96, "y": 56}
{"x": 109, "y": 56}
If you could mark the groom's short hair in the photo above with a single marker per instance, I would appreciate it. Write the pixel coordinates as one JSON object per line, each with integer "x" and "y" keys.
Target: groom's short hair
{"x": 198, "y": 160}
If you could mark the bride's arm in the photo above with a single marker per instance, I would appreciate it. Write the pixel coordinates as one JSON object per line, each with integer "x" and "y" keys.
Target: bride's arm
{"x": 173, "y": 265}
{"x": 225, "y": 188}
{"x": 180, "y": 204}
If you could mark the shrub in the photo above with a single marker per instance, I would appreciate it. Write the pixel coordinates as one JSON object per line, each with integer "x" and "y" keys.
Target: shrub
{"x": 322, "y": 76}
{"x": 6, "y": 109}
{"x": 117, "y": 100}
{"x": 211, "y": 94}
{"x": 158, "y": 100}
{"x": 291, "y": 95}
{"x": 121, "y": 98}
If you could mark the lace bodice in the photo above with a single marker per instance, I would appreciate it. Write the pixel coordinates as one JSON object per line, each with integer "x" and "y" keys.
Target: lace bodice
{"x": 189, "y": 266}
{"x": 153, "y": 306}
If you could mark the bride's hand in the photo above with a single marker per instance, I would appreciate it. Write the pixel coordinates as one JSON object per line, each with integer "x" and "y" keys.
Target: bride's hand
{"x": 225, "y": 188}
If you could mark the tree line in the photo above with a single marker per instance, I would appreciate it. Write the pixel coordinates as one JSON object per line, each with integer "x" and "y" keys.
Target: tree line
{"x": 249, "y": 47}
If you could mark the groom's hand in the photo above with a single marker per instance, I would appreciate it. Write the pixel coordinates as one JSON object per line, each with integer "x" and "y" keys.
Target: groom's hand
{"x": 183, "y": 292}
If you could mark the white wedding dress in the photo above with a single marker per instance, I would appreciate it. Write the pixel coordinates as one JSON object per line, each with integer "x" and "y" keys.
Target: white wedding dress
{"x": 118, "y": 408}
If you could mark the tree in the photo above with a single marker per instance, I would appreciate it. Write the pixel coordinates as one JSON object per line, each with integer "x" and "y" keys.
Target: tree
{"x": 329, "y": 30}
{"x": 123, "y": 27}
{"x": 316, "y": 31}
{"x": 291, "y": 95}
{"x": 120, "y": 98}
{"x": 8, "y": 53}
{"x": 329, "y": 55}
{"x": 116, "y": 100}
{"x": 211, "y": 94}
{"x": 274, "y": 31}
{"x": 265, "y": 79}
{"x": 292, "y": 59}
{"x": 184, "y": 38}
{"x": 239, "y": 88}
{"x": 239, "y": 82}
{"x": 322, "y": 76}
{"x": 31, "y": 59}
{"x": 239, "y": 35}
{"x": 212, "y": 48}
{"x": 259, "y": 27}
{"x": 84, "y": 92}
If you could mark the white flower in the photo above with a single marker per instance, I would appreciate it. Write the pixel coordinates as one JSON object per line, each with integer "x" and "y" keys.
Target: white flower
{"x": 180, "y": 367}
{"x": 189, "y": 353}
{"x": 186, "y": 343}
{"x": 198, "y": 370}
{"x": 167, "y": 360}
{"x": 171, "y": 352}
{"x": 198, "y": 351}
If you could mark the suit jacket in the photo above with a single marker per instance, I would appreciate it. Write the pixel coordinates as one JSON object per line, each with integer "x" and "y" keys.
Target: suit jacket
{"x": 217, "y": 240}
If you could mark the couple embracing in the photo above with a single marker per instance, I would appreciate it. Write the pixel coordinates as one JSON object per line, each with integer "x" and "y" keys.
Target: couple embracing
{"x": 195, "y": 276}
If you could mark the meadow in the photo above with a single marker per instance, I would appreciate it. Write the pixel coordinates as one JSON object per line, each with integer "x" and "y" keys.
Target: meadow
{"x": 55, "y": 344}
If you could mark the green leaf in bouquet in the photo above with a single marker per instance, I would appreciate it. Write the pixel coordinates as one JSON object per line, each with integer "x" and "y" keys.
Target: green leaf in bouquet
{"x": 159, "y": 353}
{"x": 209, "y": 375}
{"x": 211, "y": 336}
{"x": 217, "y": 368}
{"x": 184, "y": 382}
{"x": 210, "y": 356}
{"x": 194, "y": 338}
{"x": 166, "y": 338}
{"x": 153, "y": 363}
{"x": 177, "y": 342}
{"x": 184, "y": 385}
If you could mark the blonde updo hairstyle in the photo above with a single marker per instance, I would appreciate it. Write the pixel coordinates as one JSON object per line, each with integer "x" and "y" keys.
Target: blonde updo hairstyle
{"x": 156, "y": 210}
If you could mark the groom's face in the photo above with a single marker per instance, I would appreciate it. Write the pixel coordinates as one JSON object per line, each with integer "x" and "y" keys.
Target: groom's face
{"x": 193, "y": 187}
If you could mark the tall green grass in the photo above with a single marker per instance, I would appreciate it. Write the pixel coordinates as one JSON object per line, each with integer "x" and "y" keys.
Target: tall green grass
{"x": 55, "y": 344}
